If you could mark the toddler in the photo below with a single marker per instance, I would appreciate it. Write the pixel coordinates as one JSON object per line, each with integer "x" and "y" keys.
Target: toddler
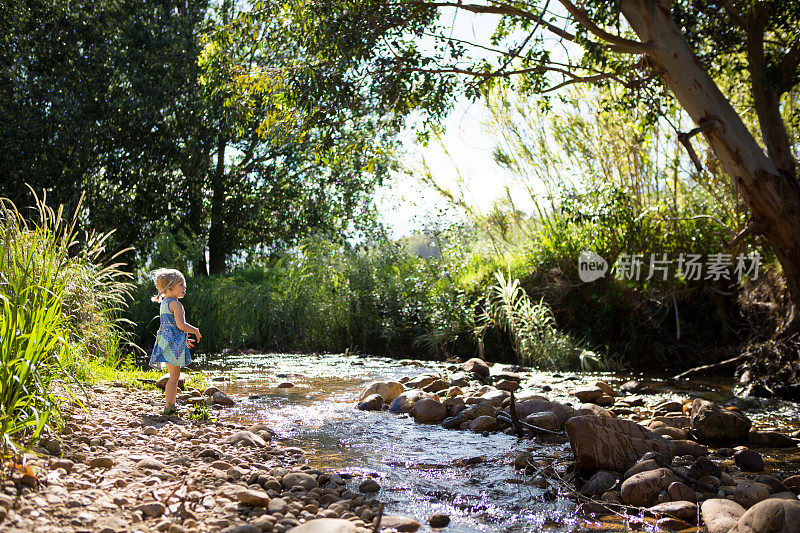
{"x": 172, "y": 341}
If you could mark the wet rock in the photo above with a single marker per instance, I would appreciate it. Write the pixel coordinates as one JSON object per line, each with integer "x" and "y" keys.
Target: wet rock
{"x": 749, "y": 493}
{"x": 151, "y": 509}
{"x": 606, "y": 388}
{"x": 209, "y": 391}
{"x": 388, "y": 390}
{"x": 642, "y": 466}
{"x": 545, "y": 420}
{"x": 428, "y": 411}
{"x": 604, "y": 401}
{"x": 749, "y": 460}
{"x": 245, "y": 438}
{"x": 793, "y": 483}
{"x": 541, "y": 405}
{"x": 476, "y": 366}
{"x": 633, "y": 387}
{"x": 592, "y": 409}
{"x": 298, "y": 479}
{"x": 612, "y": 444}
{"x": 400, "y": 523}
{"x": 420, "y": 381}
{"x": 325, "y": 525}
{"x": 641, "y": 490}
{"x": 678, "y": 491}
{"x": 669, "y": 406}
{"x": 702, "y": 467}
{"x": 774, "y": 484}
{"x": 770, "y": 516}
{"x": 373, "y": 402}
{"x": 438, "y": 521}
{"x": 720, "y": 515}
{"x": 672, "y": 433}
{"x": 256, "y": 498}
{"x": 588, "y": 395}
{"x": 405, "y": 401}
{"x": 507, "y": 385}
{"x": 770, "y": 439}
{"x": 495, "y": 398}
{"x": 161, "y": 382}
{"x": 220, "y": 398}
{"x": 689, "y": 447}
{"x": 436, "y": 385}
{"x": 484, "y": 423}
{"x": 712, "y": 423}
{"x": 599, "y": 483}
{"x": 672, "y": 524}
{"x": 369, "y": 485}
{"x": 682, "y": 510}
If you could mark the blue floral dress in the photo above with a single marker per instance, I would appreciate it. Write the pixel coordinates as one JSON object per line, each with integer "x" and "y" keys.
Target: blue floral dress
{"x": 170, "y": 344}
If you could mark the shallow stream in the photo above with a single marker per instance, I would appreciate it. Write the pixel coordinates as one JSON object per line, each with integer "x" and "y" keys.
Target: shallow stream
{"x": 426, "y": 469}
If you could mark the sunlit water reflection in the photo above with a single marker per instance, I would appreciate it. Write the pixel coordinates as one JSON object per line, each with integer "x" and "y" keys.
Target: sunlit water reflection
{"x": 422, "y": 469}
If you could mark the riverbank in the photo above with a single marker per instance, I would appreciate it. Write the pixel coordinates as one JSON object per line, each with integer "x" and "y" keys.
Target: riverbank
{"x": 120, "y": 466}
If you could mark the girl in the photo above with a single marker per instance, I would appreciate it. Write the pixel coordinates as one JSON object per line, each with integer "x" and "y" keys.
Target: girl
{"x": 172, "y": 341}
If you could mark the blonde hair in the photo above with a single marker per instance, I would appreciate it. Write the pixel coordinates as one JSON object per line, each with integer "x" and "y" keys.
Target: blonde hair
{"x": 165, "y": 278}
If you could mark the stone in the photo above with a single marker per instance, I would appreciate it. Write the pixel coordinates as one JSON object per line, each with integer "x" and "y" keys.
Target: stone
{"x": 507, "y": 385}
{"x": 476, "y": 366}
{"x": 325, "y": 525}
{"x": 151, "y": 509}
{"x": 388, "y": 390}
{"x": 642, "y": 466}
{"x": 545, "y": 420}
{"x": 679, "y": 491}
{"x": 682, "y": 510}
{"x": 712, "y": 423}
{"x": 749, "y": 493}
{"x": 100, "y": 462}
{"x": 256, "y": 498}
{"x": 400, "y": 523}
{"x": 720, "y": 515}
{"x": 245, "y": 438}
{"x": 592, "y": 409}
{"x": 421, "y": 381}
{"x": 587, "y": 395}
{"x": 148, "y": 463}
{"x": 702, "y": 467}
{"x": 277, "y": 505}
{"x": 405, "y": 401}
{"x": 369, "y": 485}
{"x": 641, "y": 490}
{"x": 749, "y": 460}
{"x": 774, "y": 484}
{"x": 436, "y": 385}
{"x": 793, "y": 483}
{"x": 220, "y": 398}
{"x": 66, "y": 464}
{"x": 161, "y": 382}
{"x": 428, "y": 411}
{"x": 770, "y": 439}
{"x": 672, "y": 433}
{"x": 438, "y": 521}
{"x": 774, "y": 515}
{"x": 689, "y": 447}
{"x": 209, "y": 391}
{"x": 285, "y": 385}
{"x": 299, "y": 479}
{"x": 599, "y": 483}
{"x": 612, "y": 444}
{"x": 495, "y": 398}
{"x": 540, "y": 405}
{"x": 484, "y": 423}
{"x": 373, "y": 402}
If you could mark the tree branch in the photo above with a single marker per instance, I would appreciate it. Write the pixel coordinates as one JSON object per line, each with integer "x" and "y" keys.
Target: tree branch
{"x": 621, "y": 44}
{"x": 787, "y": 69}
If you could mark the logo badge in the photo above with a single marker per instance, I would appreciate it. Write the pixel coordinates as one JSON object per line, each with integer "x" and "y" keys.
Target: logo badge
{"x": 591, "y": 266}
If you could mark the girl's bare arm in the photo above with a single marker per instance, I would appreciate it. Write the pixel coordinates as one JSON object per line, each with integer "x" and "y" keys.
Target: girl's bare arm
{"x": 177, "y": 309}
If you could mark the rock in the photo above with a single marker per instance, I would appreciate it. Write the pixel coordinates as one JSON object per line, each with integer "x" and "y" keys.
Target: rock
{"x": 641, "y": 490}
{"x": 605, "y": 400}
{"x": 793, "y": 483}
{"x": 599, "y": 483}
{"x": 612, "y": 444}
{"x": 545, "y": 420}
{"x": 245, "y": 438}
{"x": 682, "y": 510}
{"x": 209, "y": 391}
{"x": 285, "y": 385}
{"x": 689, "y": 447}
{"x": 680, "y": 492}
{"x": 428, "y": 411}
{"x": 256, "y": 498}
{"x": 749, "y": 460}
{"x": 495, "y": 398}
{"x": 149, "y": 463}
{"x": 672, "y": 433}
{"x": 702, "y": 467}
{"x": 151, "y": 509}
{"x": 642, "y": 466}
{"x": 373, "y": 402}
{"x": 476, "y": 366}
{"x": 712, "y": 423}
{"x": 770, "y": 439}
{"x": 506, "y": 385}
{"x": 633, "y": 387}
{"x": 669, "y": 406}
{"x": 220, "y": 398}
{"x": 770, "y": 516}
{"x": 325, "y": 525}
{"x": 100, "y": 462}
{"x": 592, "y": 409}
{"x": 720, "y": 515}
{"x": 436, "y": 386}
{"x": 587, "y": 395}
{"x": 400, "y": 523}
{"x": 53, "y": 446}
{"x": 369, "y": 485}
{"x": 388, "y": 390}
{"x": 774, "y": 484}
{"x": 277, "y": 505}
{"x": 438, "y": 521}
{"x": 536, "y": 405}
{"x": 749, "y": 493}
{"x": 484, "y": 423}
{"x": 66, "y": 464}
{"x": 298, "y": 479}
{"x": 405, "y": 401}
{"x": 161, "y": 382}
{"x": 420, "y": 381}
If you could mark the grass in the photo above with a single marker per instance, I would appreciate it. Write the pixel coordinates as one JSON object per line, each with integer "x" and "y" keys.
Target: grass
{"x": 129, "y": 376}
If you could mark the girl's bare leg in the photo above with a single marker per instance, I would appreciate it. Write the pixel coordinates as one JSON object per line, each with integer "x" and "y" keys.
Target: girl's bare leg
{"x": 171, "y": 390}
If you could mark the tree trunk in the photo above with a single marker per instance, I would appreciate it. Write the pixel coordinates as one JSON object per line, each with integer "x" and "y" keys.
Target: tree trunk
{"x": 773, "y": 196}
{"x": 216, "y": 232}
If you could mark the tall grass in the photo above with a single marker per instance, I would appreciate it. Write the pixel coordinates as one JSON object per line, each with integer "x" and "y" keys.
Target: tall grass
{"x": 59, "y": 308}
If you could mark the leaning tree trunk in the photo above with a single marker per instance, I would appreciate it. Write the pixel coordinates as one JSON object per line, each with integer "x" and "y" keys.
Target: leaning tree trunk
{"x": 773, "y": 197}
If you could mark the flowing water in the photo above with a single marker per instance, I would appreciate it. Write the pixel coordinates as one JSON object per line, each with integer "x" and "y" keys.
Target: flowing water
{"x": 426, "y": 469}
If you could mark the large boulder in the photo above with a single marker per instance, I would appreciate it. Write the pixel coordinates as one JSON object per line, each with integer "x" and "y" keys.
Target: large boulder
{"x": 611, "y": 443}
{"x": 476, "y": 366}
{"x": 712, "y": 423}
{"x": 389, "y": 390}
{"x": 429, "y": 411}
{"x": 405, "y": 401}
{"x": 720, "y": 515}
{"x": 775, "y": 515}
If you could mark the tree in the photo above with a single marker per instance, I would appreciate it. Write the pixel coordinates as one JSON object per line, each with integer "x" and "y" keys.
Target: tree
{"x": 645, "y": 45}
